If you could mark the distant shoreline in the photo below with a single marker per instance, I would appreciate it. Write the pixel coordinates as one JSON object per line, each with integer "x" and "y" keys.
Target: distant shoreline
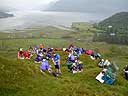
{"x": 36, "y": 19}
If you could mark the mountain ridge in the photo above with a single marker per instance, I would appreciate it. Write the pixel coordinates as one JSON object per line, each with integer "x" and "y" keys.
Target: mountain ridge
{"x": 101, "y": 6}
{"x": 118, "y": 21}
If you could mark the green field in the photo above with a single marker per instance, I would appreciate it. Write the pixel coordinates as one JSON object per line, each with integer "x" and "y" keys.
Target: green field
{"x": 23, "y": 78}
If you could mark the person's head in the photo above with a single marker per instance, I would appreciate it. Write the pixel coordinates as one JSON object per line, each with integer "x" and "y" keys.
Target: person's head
{"x": 21, "y": 49}
{"x": 103, "y": 72}
{"x": 54, "y": 53}
{"x": 44, "y": 59}
{"x": 71, "y": 46}
{"x": 50, "y": 49}
{"x": 102, "y": 60}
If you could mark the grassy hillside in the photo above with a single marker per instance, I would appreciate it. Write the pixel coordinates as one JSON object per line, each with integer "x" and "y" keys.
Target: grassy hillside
{"x": 53, "y": 32}
{"x": 23, "y": 78}
{"x": 115, "y": 29}
{"x": 118, "y": 21}
{"x": 45, "y": 32}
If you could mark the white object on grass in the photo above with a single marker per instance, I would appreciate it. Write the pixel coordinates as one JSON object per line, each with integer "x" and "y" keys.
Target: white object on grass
{"x": 99, "y": 77}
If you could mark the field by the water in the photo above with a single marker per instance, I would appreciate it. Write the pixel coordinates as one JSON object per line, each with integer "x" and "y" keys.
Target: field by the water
{"x": 23, "y": 78}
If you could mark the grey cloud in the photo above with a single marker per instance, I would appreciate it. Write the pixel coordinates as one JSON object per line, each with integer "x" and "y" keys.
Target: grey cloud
{"x": 96, "y": 6}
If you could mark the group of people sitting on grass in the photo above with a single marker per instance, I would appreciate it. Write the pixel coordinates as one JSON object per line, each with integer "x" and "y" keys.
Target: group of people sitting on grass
{"x": 24, "y": 54}
{"x": 43, "y": 55}
{"x": 109, "y": 72}
{"x": 73, "y": 61}
{"x": 45, "y": 66}
{"x": 74, "y": 65}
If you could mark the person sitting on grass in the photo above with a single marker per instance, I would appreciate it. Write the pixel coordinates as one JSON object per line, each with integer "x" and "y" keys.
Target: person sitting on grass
{"x": 41, "y": 46}
{"x": 44, "y": 50}
{"x": 126, "y": 72}
{"x": 27, "y": 54}
{"x": 101, "y": 63}
{"x": 20, "y": 54}
{"x": 70, "y": 61}
{"x": 81, "y": 50}
{"x": 36, "y": 47}
{"x": 109, "y": 76}
{"x": 74, "y": 64}
{"x": 96, "y": 55}
{"x": 49, "y": 55}
{"x": 45, "y": 66}
{"x": 70, "y": 47}
{"x": 77, "y": 66}
{"x": 56, "y": 61}
{"x": 39, "y": 57}
{"x": 31, "y": 49}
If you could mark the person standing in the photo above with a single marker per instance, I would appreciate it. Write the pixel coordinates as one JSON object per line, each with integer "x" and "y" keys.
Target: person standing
{"x": 56, "y": 61}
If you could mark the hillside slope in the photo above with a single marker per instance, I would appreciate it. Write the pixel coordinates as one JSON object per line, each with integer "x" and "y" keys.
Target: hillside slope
{"x": 118, "y": 21}
{"x": 23, "y": 78}
{"x": 115, "y": 29}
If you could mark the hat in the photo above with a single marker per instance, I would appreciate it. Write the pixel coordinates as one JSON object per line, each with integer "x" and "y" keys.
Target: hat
{"x": 53, "y": 52}
{"x": 44, "y": 59}
{"x": 102, "y": 60}
{"x": 21, "y": 49}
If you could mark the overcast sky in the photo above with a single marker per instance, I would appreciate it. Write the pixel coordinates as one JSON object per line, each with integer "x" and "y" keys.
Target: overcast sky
{"x": 23, "y": 4}
{"x": 40, "y": 4}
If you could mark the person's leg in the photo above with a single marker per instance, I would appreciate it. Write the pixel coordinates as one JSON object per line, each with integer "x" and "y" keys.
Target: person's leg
{"x": 126, "y": 76}
{"x": 50, "y": 70}
{"x": 57, "y": 72}
{"x": 80, "y": 67}
{"x": 58, "y": 69}
{"x": 37, "y": 60}
{"x": 42, "y": 71}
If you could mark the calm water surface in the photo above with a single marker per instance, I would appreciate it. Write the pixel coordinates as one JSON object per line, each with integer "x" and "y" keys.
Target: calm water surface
{"x": 37, "y": 19}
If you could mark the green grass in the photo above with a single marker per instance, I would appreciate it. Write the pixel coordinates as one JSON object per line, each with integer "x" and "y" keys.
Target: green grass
{"x": 52, "y": 32}
{"x": 23, "y": 78}
{"x": 84, "y": 26}
{"x": 45, "y": 32}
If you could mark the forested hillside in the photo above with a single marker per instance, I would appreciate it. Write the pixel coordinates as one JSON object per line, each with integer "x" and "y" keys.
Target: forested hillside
{"x": 114, "y": 29}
